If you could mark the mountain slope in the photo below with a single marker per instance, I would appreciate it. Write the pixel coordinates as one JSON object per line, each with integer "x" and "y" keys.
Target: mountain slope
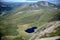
{"x": 27, "y": 19}
{"x": 47, "y": 29}
{"x": 41, "y": 5}
{"x": 8, "y": 6}
{"x": 35, "y": 6}
{"x": 14, "y": 23}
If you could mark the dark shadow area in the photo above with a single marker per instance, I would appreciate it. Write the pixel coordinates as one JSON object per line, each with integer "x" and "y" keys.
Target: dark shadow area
{"x": 58, "y": 39}
{"x": 56, "y": 17}
{"x": 1, "y": 35}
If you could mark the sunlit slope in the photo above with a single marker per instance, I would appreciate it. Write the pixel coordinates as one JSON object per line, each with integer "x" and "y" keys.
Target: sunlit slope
{"x": 27, "y": 19}
{"x": 34, "y": 16}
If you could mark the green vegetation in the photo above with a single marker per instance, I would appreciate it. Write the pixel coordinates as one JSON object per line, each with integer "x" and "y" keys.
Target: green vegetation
{"x": 56, "y": 17}
{"x": 19, "y": 38}
{"x": 14, "y": 23}
{"x": 6, "y": 28}
{"x": 56, "y": 33}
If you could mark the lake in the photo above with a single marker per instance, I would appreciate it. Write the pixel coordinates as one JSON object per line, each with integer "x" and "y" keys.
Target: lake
{"x": 30, "y": 30}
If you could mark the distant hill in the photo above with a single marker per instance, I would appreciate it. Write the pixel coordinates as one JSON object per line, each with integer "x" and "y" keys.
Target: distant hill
{"x": 41, "y": 5}
{"x": 47, "y": 4}
{"x": 7, "y": 6}
{"x": 21, "y": 6}
{"x": 36, "y": 6}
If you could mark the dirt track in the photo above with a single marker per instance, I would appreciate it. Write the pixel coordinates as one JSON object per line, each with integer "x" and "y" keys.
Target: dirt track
{"x": 48, "y": 28}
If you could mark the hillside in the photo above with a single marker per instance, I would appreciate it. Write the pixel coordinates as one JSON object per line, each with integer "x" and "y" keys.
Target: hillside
{"x": 8, "y": 6}
{"x": 14, "y": 23}
{"x": 33, "y": 6}
{"x": 17, "y": 7}
{"x": 39, "y": 5}
{"x": 20, "y": 21}
{"x": 48, "y": 30}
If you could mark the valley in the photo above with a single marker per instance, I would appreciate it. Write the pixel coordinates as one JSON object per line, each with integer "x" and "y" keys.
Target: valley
{"x": 44, "y": 16}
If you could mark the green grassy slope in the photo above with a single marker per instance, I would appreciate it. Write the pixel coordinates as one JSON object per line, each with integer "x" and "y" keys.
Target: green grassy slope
{"x": 27, "y": 19}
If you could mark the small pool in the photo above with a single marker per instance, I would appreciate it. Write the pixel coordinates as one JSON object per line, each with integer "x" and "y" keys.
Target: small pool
{"x": 30, "y": 30}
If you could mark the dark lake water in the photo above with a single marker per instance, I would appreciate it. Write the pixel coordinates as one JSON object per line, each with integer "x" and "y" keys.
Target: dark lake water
{"x": 30, "y": 30}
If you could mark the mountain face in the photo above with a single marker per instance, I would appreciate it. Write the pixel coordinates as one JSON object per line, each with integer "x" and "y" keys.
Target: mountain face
{"x": 44, "y": 3}
{"x": 26, "y": 6}
{"x": 38, "y": 5}
{"x": 5, "y": 6}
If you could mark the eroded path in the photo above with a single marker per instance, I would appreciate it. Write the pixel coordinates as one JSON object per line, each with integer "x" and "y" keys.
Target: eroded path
{"x": 48, "y": 28}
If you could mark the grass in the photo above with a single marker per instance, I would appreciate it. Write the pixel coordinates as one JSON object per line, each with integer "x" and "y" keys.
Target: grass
{"x": 25, "y": 19}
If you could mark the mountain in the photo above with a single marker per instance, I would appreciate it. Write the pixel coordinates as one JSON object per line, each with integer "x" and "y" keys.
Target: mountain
{"x": 7, "y": 6}
{"x": 58, "y": 5}
{"x": 14, "y": 23}
{"x": 21, "y": 6}
{"x": 45, "y": 3}
{"x": 38, "y": 5}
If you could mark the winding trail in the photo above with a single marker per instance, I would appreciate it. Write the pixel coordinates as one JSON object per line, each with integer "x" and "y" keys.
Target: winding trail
{"x": 48, "y": 28}
{"x": 50, "y": 38}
